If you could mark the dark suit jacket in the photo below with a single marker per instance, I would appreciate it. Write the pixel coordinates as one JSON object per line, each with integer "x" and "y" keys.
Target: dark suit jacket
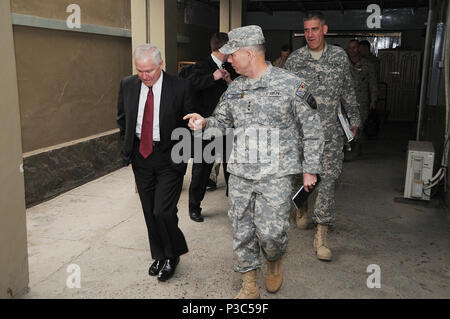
{"x": 176, "y": 101}
{"x": 208, "y": 90}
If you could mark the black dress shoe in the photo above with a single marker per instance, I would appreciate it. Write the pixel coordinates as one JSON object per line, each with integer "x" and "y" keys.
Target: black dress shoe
{"x": 211, "y": 185}
{"x": 156, "y": 267}
{"x": 168, "y": 268}
{"x": 196, "y": 217}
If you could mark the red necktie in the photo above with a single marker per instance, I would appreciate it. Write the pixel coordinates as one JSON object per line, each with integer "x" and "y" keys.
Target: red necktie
{"x": 146, "y": 145}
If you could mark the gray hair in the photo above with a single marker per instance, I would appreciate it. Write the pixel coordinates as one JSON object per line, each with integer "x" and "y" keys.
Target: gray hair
{"x": 144, "y": 51}
{"x": 314, "y": 15}
{"x": 259, "y": 48}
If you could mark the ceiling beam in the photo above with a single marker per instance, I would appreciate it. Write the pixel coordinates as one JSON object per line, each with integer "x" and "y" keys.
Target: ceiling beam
{"x": 416, "y": 6}
{"x": 341, "y": 6}
{"x": 261, "y": 5}
{"x": 299, "y": 4}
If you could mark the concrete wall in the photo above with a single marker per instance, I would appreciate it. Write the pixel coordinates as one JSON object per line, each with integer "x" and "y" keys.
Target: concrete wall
{"x": 13, "y": 235}
{"x": 68, "y": 81}
{"x": 68, "y": 86}
{"x": 115, "y": 13}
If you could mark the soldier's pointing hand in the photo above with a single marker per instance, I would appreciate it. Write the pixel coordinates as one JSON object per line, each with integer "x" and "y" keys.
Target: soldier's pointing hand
{"x": 196, "y": 121}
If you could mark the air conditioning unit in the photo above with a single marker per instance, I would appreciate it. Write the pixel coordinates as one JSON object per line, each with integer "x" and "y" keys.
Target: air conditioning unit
{"x": 419, "y": 170}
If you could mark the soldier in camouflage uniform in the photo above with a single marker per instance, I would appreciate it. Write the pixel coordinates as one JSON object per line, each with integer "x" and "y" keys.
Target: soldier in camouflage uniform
{"x": 365, "y": 83}
{"x": 264, "y": 101}
{"x": 364, "y": 51}
{"x": 326, "y": 72}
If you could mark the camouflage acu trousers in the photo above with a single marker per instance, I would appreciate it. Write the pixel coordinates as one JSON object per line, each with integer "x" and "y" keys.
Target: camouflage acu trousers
{"x": 322, "y": 198}
{"x": 364, "y": 108}
{"x": 259, "y": 213}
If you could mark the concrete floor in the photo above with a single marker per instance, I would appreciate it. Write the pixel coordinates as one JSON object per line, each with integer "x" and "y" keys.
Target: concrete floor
{"x": 100, "y": 228}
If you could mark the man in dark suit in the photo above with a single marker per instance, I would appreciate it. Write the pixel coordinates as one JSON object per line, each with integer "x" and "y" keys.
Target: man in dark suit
{"x": 209, "y": 78}
{"x": 151, "y": 105}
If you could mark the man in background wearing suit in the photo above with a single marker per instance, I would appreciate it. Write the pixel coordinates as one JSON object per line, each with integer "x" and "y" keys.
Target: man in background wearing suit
{"x": 209, "y": 78}
{"x": 151, "y": 105}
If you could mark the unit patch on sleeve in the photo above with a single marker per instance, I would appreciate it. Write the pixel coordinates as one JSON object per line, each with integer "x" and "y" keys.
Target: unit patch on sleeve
{"x": 303, "y": 92}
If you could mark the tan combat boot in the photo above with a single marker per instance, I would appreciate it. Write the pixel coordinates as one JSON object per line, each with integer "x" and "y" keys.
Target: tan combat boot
{"x": 301, "y": 219}
{"x": 274, "y": 276}
{"x": 320, "y": 243}
{"x": 250, "y": 289}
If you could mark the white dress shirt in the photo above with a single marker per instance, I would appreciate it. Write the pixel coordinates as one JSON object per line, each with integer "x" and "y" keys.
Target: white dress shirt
{"x": 156, "y": 89}
{"x": 217, "y": 61}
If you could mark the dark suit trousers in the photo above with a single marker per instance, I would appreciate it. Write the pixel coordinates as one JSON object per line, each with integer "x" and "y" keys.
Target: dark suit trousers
{"x": 159, "y": 186}
{"x": 199, "y": 182}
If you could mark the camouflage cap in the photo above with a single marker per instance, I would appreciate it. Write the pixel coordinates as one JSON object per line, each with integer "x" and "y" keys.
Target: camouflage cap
{"x": 243, "y": 37}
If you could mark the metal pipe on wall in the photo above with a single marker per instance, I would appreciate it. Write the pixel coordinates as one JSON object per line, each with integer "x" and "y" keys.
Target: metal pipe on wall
{"x": 447, "y": 89}
{"x": 425, "y": 65}
{"x": 447, "y": 74}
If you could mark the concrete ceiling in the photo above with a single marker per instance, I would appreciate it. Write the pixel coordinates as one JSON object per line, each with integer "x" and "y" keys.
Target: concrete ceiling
{"x": 270, "y": 6}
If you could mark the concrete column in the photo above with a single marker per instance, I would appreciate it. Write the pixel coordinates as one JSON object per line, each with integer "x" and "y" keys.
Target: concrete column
{"x": 238, "y": 9}
{"x": 13, "y": 233}
{"x": 138, "y": 24}
{"x": 155, "y": 21}
{"x": 170, "y": 35}
{"x": 224, "y": 24}
{"x": 232, "y": 14}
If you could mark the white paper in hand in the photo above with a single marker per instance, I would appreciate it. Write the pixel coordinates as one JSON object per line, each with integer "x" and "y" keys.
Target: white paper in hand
{"x": 345, "y": 125}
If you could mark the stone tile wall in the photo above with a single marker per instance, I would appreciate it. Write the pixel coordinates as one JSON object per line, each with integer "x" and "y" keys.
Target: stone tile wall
{"x": 54, "y": 172}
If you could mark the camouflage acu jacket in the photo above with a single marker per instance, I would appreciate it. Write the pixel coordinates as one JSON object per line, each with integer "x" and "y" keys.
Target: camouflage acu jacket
{"x": 265, "y": 116}
{"x": 365, "y": 81}
{"x": 330, "y": 82}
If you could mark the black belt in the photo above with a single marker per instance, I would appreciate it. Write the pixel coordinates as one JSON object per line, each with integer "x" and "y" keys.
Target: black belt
{"x": 155, "y": 143}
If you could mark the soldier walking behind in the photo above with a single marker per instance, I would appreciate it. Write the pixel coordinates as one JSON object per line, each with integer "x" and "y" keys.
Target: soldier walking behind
{"x": 366, "y": 86}
{"x": 326, "y": 72}
{"x": 364, "y": 51}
